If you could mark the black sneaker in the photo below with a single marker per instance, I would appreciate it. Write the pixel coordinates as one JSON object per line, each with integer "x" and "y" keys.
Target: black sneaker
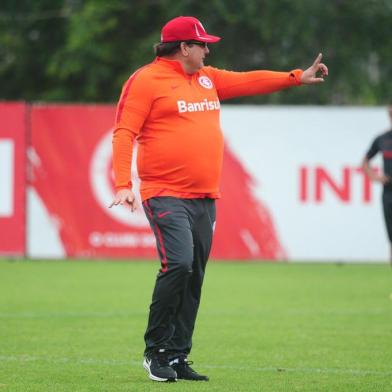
{"x": 157, "y": 365}
{"x": 184, "y": 371}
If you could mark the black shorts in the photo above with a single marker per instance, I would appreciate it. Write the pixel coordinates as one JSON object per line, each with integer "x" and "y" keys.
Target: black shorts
{"x": 387, "y": 206}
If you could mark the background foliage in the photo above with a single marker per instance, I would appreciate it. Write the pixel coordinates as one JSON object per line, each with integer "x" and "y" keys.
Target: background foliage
{"x": 84, "y": 50}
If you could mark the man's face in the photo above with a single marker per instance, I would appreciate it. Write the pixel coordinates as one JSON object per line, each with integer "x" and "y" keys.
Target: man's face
{"x": 197, "y": 53}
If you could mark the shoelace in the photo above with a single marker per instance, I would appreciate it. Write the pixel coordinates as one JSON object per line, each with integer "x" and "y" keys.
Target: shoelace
{"x": 187, "y": 364}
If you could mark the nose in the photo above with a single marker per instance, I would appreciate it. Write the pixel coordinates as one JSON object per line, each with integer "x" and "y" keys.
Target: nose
{"x": 206, "y": 50}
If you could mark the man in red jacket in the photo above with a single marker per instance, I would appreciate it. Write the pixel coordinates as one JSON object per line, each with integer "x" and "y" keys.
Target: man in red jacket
{"x": 172, "y": 108}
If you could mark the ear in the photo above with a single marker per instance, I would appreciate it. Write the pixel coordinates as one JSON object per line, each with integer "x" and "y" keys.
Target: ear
{"x": 184, "y": 49}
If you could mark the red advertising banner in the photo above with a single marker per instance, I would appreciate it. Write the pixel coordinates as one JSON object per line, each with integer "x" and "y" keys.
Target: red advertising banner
{"x": 72, "y": 177}
{"x": 12, "y": 177}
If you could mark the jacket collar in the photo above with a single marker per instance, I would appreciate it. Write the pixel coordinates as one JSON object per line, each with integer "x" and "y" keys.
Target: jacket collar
{"x": 175, "y": 65}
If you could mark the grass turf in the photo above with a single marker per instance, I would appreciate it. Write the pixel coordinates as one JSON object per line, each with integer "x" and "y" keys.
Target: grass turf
{"x": 78, "y": 326}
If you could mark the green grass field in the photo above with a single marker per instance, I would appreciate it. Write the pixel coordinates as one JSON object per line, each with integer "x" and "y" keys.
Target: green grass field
{"x": 78, "y": 326}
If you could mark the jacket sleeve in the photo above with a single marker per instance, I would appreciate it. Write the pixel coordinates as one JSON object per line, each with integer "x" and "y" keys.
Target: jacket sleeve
{"x": 374, "y": 148}
{"x": 132, "y": 110}
{"x": 231, "y": 84}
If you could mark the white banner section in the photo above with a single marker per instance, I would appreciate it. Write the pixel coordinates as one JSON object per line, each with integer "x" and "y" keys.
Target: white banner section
{"x": 305, "y": 163}
{"x": 7, "y": 178}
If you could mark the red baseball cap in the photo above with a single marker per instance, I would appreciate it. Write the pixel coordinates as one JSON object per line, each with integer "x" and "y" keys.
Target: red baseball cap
{"x": 186, "y": 28}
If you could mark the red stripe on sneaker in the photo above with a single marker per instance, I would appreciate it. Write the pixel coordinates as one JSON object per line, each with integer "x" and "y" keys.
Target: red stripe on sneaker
{"x": 164, "y": 264}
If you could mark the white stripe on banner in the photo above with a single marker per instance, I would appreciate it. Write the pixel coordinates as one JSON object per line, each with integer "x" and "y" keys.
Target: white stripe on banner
{"x": 6, "y": 178}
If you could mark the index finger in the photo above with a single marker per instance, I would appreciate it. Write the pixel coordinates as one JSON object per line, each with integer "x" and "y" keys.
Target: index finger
{"x": 114, "y": 203}
{"x": 318, "y": 59}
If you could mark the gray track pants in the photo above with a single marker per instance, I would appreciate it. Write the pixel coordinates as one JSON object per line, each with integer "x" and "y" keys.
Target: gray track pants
{"x": 183, "y": 230}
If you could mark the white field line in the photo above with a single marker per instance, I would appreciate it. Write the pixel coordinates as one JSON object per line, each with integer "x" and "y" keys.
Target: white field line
{"x": 216, "y": 313}
{"x": 38, "y": 315}
{"x": 115, "y": 362}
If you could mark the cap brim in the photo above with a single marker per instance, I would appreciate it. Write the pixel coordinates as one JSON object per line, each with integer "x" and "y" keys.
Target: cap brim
{"x": 209, "y": 38}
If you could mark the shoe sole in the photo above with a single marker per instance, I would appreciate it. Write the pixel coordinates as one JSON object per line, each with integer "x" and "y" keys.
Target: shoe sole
{"x": 155, "y": 378}
{"x": 194, "y": 379}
